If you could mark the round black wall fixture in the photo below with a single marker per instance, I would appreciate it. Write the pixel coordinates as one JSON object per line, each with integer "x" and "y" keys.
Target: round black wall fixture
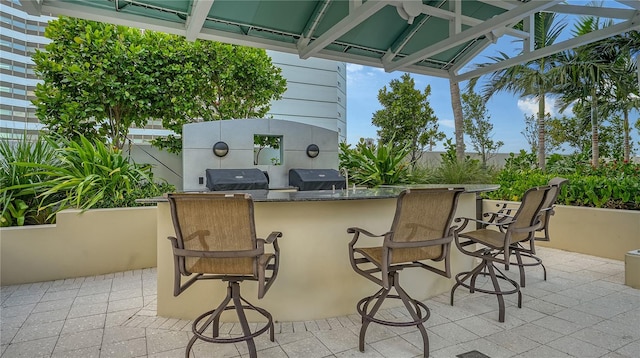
{"x": 220, "y": 149}
{"x": 313, "y": 151}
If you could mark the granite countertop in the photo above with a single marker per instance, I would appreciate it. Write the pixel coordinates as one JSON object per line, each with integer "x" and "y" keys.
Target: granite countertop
{"x": 383, "y": 192}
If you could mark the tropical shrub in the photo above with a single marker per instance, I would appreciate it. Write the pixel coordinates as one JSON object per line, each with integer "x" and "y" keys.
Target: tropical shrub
{"x": 142, "y": 190}
{"x": 374, "y": 165}
{"x": 454, "y": 171}
{"x": 85, "y": 175}
{"x": 19, "y": 200}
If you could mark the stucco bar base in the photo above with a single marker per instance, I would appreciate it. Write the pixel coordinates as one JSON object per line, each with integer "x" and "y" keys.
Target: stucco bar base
{"x": 315, "y": 279}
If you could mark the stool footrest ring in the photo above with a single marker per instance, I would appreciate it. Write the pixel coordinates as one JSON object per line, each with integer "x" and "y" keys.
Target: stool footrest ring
{"x": 492, "y": 292}
{"x": 421, "y": 308}
{"x": 210, "y": 339}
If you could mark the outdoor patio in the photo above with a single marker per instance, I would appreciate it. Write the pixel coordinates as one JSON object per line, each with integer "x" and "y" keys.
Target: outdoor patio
{"x": 582, "y": 310}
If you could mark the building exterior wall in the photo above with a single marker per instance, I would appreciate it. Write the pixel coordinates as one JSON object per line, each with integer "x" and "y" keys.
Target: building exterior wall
{"x": 316, "y": 92}
{"x": 21, "y": 35}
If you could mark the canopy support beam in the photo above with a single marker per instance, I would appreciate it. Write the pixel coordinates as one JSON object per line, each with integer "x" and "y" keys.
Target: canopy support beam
{"x": 360, "y": 14}
{"x": 633, "y": 24}
{"x": 472, "y": 33}
{"x": 199, "y": 12}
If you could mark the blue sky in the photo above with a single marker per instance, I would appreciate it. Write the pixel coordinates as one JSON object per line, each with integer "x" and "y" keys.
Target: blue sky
{"x": 506, "y": 111}
{"x": 363, "y": 83}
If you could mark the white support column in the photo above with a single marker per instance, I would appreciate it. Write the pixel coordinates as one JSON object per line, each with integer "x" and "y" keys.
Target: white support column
{"x": 529, "y": 44}
{"x": 199, "y": 12}
{"x": 455, "y": 25}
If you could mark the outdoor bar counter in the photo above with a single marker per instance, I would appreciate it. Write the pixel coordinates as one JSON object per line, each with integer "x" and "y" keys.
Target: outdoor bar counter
{"x": 315, "y": 279}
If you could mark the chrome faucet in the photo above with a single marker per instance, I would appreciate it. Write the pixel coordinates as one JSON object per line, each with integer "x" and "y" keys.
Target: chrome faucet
{"x": 345, "y": 172}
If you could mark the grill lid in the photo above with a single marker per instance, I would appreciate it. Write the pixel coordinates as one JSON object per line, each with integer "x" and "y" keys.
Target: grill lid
{"x": 316, "y": 179}
{"x": 236, "y": 179}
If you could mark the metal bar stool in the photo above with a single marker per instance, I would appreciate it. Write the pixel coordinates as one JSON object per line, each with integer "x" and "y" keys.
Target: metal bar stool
{"x": 216, "y": 240}
{"x": 420, "y": 231}
{"x": 497, "y": 246}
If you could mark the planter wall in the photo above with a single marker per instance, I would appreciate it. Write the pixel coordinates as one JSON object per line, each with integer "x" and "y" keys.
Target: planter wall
{"x": 95, "y": 242}
{"x": 599, "y": 232}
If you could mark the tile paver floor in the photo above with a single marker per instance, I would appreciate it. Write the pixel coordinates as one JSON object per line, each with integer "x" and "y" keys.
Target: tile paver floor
{"x": 582, "y": 310}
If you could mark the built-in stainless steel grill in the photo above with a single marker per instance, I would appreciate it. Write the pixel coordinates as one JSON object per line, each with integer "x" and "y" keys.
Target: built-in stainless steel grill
{"x": 316, "y": 179}
{"x": 236, "y": 179}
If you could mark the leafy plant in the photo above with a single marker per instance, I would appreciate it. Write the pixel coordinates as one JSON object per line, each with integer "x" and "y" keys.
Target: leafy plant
{"x": 19, "y": 199}
{"x": 15, "y": 211}
{"x": 522, "y": 161}
{"x": 461, "y": 172}
{"x": 86, "y": 175}
{"x": 142, "y": 190}
{"x": 614, "y": 185}
{"x": 454, "y": 171}
{"x": 99, "y": 79}
{"x": 374, "y": 165}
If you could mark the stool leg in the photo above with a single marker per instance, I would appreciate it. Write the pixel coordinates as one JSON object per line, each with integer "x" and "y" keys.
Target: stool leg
{"x": 496, "y": 287}
{"x": 242, "y": 318}
{"x": 414, "y": 314}
{"x": 215, "y": 319}
{"x": 382, "y": 294}
{"x": 520, "y": 267}
{"x": 473, "y": 273}
{"x": 190, "y": 345}
{"x": 216, "y": 327}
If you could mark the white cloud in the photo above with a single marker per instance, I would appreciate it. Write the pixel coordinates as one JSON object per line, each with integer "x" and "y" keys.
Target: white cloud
{"x": 353, "y": 68}
{"x": 529, "y": 106}
{"x": 356, "y": 74}
{"x": 450, "y": 123}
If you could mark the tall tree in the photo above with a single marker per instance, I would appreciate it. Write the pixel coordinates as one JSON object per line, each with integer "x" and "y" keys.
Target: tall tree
{"x": 100, "y": 79}
{"x": 478, "y": 127}
{"x": 576, "y": 131}
{"x": 407, "y": 117}
{"x": 92, "y": 84}
{"x": 587, "y": 75}
{"x": 637, "y": 125}
{"x": 456, "y": 106}
{"x": 529, "y": 79}
{"x": 222, "y": 81}
{"x": 626, "y": 89}
{"x": 530, "y": 133}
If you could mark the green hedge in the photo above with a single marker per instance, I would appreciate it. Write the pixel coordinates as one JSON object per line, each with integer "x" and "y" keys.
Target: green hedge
{"x": 613, "y": 185}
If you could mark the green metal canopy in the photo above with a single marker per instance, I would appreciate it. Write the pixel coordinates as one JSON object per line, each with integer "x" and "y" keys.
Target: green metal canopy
{"x": 431, "y": 37}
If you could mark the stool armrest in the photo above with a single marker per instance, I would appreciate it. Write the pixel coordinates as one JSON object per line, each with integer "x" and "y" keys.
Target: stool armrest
{"x": 354, "y": 230}
{"x": 273, "y": 236}
{"x": 466, "y": 221}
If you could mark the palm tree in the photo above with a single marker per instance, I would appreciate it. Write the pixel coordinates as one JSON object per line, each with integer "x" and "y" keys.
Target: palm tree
{"x": 626, "y": 100}
{"x": 456, "y": 105}
{"x": 529, "y": 79}
{"x": 590, "y": 73}
{"x": 627, "y": 96}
